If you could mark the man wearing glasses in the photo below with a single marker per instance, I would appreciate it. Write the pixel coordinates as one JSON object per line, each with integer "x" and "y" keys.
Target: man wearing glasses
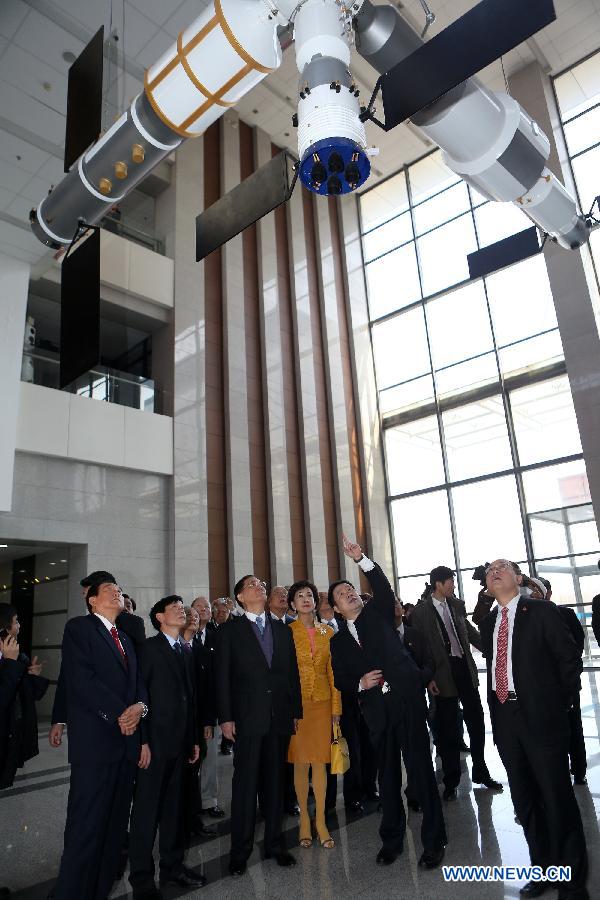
{"x": 533, "y": 668}
{"x": 259, "y": 703}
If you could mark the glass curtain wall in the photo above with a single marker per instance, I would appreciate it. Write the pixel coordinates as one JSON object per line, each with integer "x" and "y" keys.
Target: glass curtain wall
{"x": 578, "y": 97}
{"x": 482, "y": 448}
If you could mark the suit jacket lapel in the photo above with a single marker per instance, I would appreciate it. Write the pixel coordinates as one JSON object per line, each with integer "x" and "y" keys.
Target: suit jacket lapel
{"x": 253, "y": 641}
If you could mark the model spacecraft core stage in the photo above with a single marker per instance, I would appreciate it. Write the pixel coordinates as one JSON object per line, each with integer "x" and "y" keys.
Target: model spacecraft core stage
{"x": 485, "y": 137}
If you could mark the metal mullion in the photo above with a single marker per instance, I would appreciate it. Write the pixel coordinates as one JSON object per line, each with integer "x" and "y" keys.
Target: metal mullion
{"x": 581, "y": 114}
{"x": 393, "y": 250}
{"x": 582, "y": 152}
{"x": 438, "y": 411}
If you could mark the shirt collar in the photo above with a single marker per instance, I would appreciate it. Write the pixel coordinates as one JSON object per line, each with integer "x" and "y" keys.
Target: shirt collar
{"x": 172, "y": 641}
{"x": 512, "y": 606}
{"x": 439, "y": 604}
{"x": 254, "y": 617}
{"x": 108, "y": 625}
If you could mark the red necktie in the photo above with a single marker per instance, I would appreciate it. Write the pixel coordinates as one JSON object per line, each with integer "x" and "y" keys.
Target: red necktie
{"x": 501, "y": 659}
{"x": 115, "y": 636}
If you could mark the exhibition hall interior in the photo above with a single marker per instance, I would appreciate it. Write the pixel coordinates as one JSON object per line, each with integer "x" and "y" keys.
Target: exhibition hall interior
{"x": 299, "y": 449}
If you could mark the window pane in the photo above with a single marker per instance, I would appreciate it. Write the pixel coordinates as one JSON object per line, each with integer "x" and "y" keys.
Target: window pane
{"x": 393, "y": 281}
{"x": 441, "y": 208}
{"x": 414, "y": 456}
{"x": 476, "y": 439}
{"x": 388, "y": 236}
{"x": 422, "y": 532}
{"x": 544, "y": 420}
{"x": 586, "y": 168}
{"x": 405, "y": 396}
{"x": 583, "y": 132}
{"x": 556, "y": 486}
{"x": 412, "y": 588}
{"x": 521, "y": 301}
{"x": 476, "y": 198}
{"x": 467, "y": 375}
{"x": 400, "y": 348}
{"x": 429, "y": 176}
{"x": 531, "y": 354}
{"x": 548, "y": 534}
{"x": 580, "y": 87}
{"x": 384, "y": 201}
{"x": 488, "y": 521}
{"x": 451, "y": 342}
{"x": 443, "y": 254}
{"x": 496, "y": 221}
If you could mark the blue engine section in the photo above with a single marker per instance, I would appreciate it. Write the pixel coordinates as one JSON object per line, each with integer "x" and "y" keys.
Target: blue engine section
{"x": 334, "y": 166}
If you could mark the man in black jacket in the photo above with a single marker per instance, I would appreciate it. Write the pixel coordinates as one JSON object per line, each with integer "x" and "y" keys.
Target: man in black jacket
{"x": 368, "y": 656}
{"x": 132, "y": 625}
{"x": 19, "y": 727}
{"x": 170, "y": 741}
{"x": 105, "y": 700}
{"x": 533, "y": 670}
{"x": 259, "y": 703}
{"x": 204, "y": 659}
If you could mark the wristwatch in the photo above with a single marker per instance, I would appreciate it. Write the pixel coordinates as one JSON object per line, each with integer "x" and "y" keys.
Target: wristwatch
{"x": 144, "y": 709}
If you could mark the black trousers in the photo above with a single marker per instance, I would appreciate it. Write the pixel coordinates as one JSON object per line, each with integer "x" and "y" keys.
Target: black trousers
{"x": 361, "y": 777}
{"x": 406, "y": 733}
{"x": 542, "y": 794}
{"x": 97, "y": 817}
{"x": 577, "y": 753}
{"x": 157, "y": 805}
{"x": 447, "y": 729}
{"x": 251, "y": 756}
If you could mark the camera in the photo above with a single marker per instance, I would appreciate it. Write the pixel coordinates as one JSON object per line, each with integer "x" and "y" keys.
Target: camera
{"x": 479, "y": 574}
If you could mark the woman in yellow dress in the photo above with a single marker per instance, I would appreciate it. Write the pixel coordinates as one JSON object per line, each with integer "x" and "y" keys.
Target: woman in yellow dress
{"x": 310, "y": 747}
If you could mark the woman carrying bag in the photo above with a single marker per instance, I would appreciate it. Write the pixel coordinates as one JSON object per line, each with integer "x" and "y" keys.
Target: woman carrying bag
{"x": 310, "y": 747}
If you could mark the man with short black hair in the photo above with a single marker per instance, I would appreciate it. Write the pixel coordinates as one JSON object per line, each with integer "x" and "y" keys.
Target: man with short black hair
{"x": 368, "y": 656}
{"x": 170, "y": 737}
{"x": 259, "y": 703}
{"x": 442, "y": 621}
{"x": 105, "y": 700}
{"x": 533, "y": 669}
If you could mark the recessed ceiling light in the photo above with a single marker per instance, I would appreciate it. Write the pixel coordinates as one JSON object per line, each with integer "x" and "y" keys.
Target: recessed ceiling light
{"x": 63, "y": 560}
{"x": 3, "y": 546}
{"x": 69, "y": 57}
{"x": 52, "y": 564}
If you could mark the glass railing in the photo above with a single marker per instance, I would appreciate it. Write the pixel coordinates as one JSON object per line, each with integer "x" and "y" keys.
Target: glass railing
{"x": 125, "y": 229}
{"x": 42, "y": 367}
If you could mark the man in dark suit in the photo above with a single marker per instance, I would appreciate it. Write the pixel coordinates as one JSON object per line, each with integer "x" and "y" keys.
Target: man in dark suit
{"x": 533, "y": 669}
{"x": 132, "y": 625}
{"x": 368, "y": 656}
{"x": 259, "y": 703}
{"x": 19, "y": 728}
{"x": 105, "y": 700}
{"x": 170, "y": 738}
{"x": 442, "y": 621}
{"x": 203, "y": 645}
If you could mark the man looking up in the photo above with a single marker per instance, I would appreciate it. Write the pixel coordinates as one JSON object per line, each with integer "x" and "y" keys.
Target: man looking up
{"x": 259, "y": 703}
{"x": 204, "y": 660}
{"x": 442, "y": 622}
{"x": 369, "y": 656}
{"x": 533, "y": 668}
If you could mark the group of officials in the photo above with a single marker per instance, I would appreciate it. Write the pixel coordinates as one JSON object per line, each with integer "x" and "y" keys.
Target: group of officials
{"x": 137, "y": 718}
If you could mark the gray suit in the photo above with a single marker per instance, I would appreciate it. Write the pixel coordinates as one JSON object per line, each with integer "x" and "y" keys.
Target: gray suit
{"x": 425, "y": 619}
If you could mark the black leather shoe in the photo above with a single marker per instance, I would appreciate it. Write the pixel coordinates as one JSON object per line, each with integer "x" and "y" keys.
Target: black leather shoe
{"x": 355, "y": 807}
{"x": 284, "y": 859}
{"x": 580, "y": 780}
{"x": 489, "y": 783}
{"x": 225, "y": 751}
{"x": 450, "y": 794}
{"x": 236, "y": 869}
{"x": 372, "y": 795}
{"x": 215, "y": 812}
{"x": 386, "y": 857}
{"x": 414, "y": 805}
{"x": 293, "y": 810}
{"x": 535, "y": 888}
{"x": 183, "y": 877}
{"x": 149, "y": 893}
{"x": 4, "y": 893}
{"x": 430, "y": 859}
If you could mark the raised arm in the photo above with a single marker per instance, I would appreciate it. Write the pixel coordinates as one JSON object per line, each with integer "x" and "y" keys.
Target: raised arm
{"x": 384, "y": 599}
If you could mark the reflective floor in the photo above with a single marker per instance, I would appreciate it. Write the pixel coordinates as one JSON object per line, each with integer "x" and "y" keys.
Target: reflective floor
{"x": 481, "y": 830}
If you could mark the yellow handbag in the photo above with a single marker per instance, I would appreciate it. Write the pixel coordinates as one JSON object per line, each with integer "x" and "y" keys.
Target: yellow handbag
{"x": 340, "y": 755}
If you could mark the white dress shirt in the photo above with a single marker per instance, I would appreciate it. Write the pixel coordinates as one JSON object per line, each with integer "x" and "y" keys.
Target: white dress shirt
{"x": 446, "y": 616}
{"x": 202, "y": 636}
{"x": 512, "y": 609}
{"x": 257, "y": 618}
{"x": 400, "y": 630}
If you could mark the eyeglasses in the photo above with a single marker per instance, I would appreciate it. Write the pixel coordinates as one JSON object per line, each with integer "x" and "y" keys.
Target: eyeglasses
{"x": 501, "y": 567}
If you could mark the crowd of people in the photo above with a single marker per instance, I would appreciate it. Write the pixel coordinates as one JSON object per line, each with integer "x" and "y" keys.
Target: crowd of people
{"x": 277, "y": 675}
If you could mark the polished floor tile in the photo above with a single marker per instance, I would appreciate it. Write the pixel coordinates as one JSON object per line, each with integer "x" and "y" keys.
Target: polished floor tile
{"x": 481, "y": 831}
